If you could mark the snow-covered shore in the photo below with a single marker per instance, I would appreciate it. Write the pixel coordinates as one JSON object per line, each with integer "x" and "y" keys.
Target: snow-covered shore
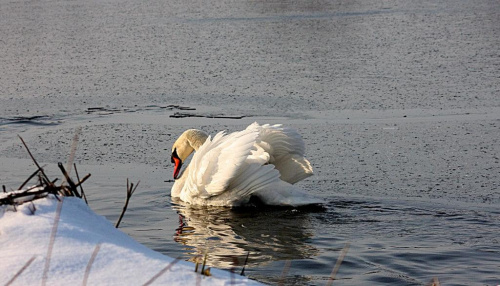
{"x": 56, "y": 242}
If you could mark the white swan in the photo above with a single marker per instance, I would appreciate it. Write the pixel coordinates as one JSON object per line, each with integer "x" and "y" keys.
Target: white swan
{"x": 226, "y": 170}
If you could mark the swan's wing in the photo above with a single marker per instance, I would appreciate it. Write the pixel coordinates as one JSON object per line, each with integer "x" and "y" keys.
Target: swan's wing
{"x": 286, "y": 149}
{"x": 279, "y": 140}
{"x": 285, "y": 194}
{"x": 229, "y": 162}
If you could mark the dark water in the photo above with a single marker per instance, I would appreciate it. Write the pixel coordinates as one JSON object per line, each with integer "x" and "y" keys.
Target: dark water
{"x": 398, "y": 103}
{"x": 390, "y": 242}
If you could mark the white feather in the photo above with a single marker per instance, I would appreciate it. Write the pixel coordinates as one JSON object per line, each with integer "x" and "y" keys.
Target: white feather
{"x": 260, "y": 160}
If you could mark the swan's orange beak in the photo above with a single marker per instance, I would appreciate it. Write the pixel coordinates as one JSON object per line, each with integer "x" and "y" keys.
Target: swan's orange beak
{"x": 178, "y": 163}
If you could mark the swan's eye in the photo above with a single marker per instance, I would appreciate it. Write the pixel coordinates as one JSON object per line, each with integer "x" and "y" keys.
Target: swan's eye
{"x": 174, "y": 156}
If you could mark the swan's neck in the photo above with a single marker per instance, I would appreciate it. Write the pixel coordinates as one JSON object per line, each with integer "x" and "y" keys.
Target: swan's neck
{"x": 191, "y": 140}
{"x": 196, "y": 138}
{"x": 179, "y": 184}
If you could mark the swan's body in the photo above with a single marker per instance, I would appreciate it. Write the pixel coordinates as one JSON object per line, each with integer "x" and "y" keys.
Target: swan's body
{"x": 226, "y": 170}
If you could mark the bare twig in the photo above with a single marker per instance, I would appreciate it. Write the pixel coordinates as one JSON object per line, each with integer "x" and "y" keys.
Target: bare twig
{"x": 34, "y": 161}
{"x": 197, "y": 263}
{"x": 337, "y": 265}
{"x": 29, "y": 178}
{"x": 204, "y": 262}
{"x": 31, "y": 193}
{"x": 203, "y": 271}
{"x": 80, "y": 183}
{"x": 45, "y": 186}
{"x": 51, "y": 242}
{"x": 89, "y": 265}
{"x": 32, "y": 208}
{"x": 71, "y": 184}
{"x": 26, "y": 265}
{"x": 130, "y": 191}
{"x": 150, "y": 281}
{"x": 244, "y": 265}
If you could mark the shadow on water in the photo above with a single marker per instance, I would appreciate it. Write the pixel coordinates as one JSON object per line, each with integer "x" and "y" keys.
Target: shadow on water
{"x": 227, "y": 235}
{"x": 38, "y": 120}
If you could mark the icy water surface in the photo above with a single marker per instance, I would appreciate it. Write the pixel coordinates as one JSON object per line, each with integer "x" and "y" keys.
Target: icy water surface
{"x": 398, "y": 103}
{"x": 406, "y": 219}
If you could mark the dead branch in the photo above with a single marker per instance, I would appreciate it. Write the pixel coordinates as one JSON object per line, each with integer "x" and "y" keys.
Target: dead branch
{"x": 203, "y": 271}
{"x": 29, "y": 178}
{"x": 244, "y": 265}
{"x": 43, "y": 188}
{"x": 73, "y": 190}
{"x": 80, "y": 183}
{"x": 27, "y": 195}
{"x": 34, "y": 161}
{"x": 130, "y": 191}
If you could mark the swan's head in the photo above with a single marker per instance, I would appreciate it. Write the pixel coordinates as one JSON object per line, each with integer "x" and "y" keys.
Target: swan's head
{"x": 188, "y": 142}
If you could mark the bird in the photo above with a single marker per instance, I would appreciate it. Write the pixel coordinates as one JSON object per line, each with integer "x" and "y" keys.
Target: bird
{"x": 261, "y": 161}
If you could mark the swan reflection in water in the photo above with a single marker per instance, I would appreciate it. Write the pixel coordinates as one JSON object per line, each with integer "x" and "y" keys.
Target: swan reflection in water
{"x": 228, "y": 235}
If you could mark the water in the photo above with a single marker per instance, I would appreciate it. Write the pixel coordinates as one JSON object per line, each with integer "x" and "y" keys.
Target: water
{"x": 397, "y": 102}
{"x": 391, "y": 241}
{"x": 403, "y": 244}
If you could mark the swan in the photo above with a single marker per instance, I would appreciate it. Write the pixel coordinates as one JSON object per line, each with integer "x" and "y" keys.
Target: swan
{"x": 262, "y": 161}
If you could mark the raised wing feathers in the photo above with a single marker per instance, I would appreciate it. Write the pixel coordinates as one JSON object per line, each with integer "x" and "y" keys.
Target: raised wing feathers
{"x": 262, "y": 160}
{"x": 229, "y": 162}
{"x": 286, "y": 149}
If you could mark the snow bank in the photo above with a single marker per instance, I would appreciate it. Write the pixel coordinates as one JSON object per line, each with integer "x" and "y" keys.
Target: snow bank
{"x": 25, "y": 239}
